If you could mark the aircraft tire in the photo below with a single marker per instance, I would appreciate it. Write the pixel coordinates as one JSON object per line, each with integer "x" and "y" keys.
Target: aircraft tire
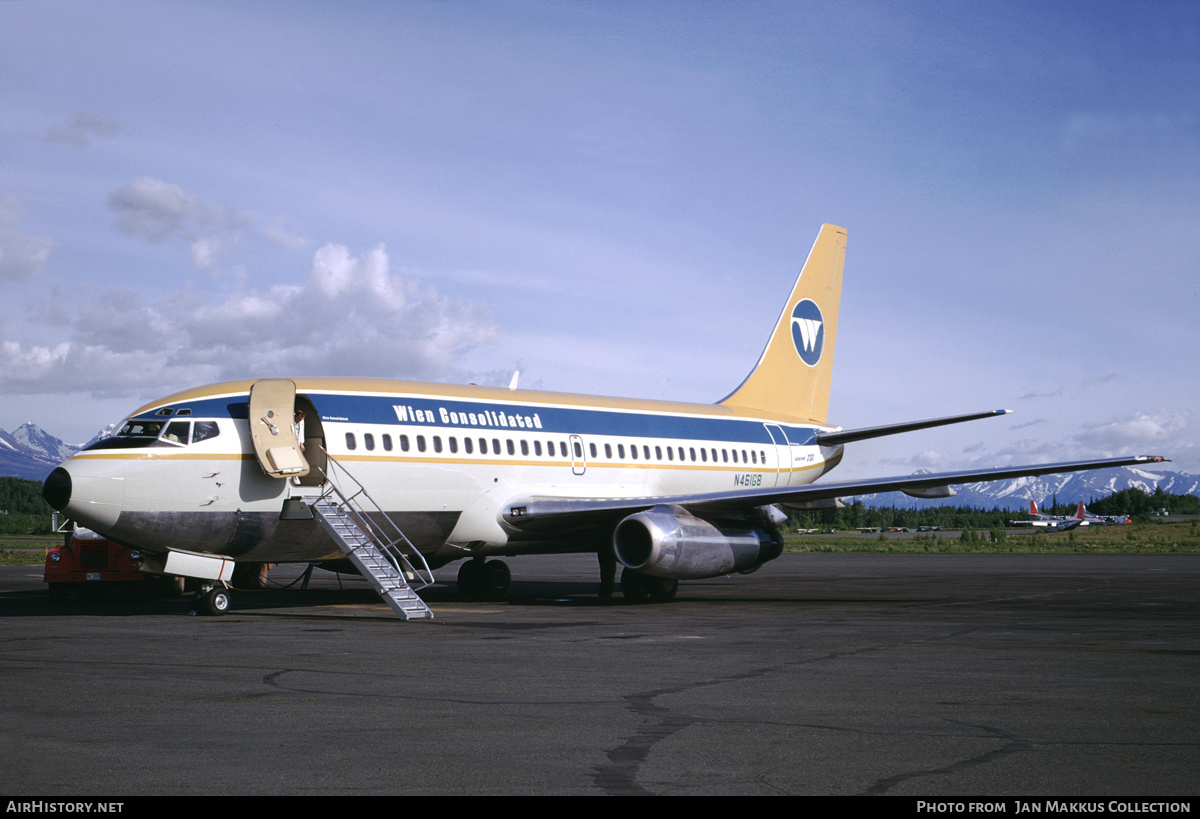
{"x": 662, "y": 589}
{"x": 470, "y": 579}
{"x": 634, "y": 586}
{"x": 215, "y": 602}
{"x": 640, "y": 588}
{"x": 497, "y": 579}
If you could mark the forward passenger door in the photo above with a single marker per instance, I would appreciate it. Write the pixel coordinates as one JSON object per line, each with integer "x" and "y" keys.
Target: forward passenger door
{"x": 272, "y": 428}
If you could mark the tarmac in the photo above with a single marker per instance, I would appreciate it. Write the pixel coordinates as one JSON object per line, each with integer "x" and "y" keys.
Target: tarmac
{"x": 909, "y": 675}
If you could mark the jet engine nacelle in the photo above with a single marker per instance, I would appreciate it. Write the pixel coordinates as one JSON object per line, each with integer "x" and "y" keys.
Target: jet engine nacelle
{"x": 684, "y": 547}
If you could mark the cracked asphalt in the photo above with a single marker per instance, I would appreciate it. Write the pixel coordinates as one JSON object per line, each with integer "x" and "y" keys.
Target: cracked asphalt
{"x": 820, "y": 674}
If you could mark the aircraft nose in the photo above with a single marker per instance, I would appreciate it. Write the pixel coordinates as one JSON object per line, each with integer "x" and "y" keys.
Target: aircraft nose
{"x": 57, "y": 488}
{"x": 90, "y": 492}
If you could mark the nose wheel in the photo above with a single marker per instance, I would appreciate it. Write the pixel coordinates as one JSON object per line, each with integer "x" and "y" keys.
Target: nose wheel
{"x": 213, "y": 601}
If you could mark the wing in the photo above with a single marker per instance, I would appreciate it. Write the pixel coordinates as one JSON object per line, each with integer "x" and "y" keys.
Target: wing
{"x": 542, "y": 513}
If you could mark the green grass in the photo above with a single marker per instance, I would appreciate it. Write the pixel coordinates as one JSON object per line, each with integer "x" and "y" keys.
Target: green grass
{"x": 1138, "y": 538}
{"x": 25, "y": 550}
{"x": 1144, "y": 538}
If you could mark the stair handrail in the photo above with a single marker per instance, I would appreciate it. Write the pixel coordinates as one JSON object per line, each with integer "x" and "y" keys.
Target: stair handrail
{"x": 389, "y": 546}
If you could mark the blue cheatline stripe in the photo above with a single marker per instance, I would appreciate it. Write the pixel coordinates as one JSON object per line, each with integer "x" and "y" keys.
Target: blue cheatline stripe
{"x": 511, "y": 418}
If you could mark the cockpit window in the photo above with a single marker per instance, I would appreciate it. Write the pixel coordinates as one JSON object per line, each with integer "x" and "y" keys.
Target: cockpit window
{"x": 177, "y": 432}
{"x": 138, "y": 433}
{"x": 141, "y": 429}
{"x": 203, "y": 430}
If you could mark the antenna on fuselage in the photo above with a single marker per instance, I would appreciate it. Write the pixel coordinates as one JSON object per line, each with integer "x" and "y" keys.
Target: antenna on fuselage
{"x": 512, "y": 385}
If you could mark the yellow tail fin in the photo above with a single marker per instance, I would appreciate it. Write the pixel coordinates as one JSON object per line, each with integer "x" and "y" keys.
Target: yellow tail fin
{"x": 792, "y": 377}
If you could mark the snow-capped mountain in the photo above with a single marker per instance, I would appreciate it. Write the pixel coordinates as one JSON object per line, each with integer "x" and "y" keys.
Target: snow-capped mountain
{"x": 1068, "y": 488}
{"x": 107, "y": 432}
{"x": 19, "y": 461}
{"x": 30, "y": 453}
{"x": 32, "y": 436}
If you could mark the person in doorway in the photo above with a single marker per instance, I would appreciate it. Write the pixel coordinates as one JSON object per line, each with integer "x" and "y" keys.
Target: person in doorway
{"x": 298, "y": 428}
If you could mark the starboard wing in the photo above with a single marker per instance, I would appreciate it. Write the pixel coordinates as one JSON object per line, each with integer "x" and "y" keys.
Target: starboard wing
{"x": 545, "y": 513}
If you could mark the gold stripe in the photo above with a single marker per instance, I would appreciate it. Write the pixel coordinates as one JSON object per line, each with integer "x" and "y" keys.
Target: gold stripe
{"x": 126, "y": 455}
{"x": 385, "y": 388}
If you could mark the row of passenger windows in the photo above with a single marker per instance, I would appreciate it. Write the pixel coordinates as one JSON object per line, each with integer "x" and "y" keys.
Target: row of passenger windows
{"x": 726, "y": 455}
{"x": 702, "y": 454}
{"x": 468, "y": 445}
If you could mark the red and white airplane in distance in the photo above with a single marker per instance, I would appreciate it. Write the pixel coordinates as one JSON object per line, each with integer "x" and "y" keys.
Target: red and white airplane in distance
{"x": 1082, "y": 517}
{"x": 1101, "y": 520}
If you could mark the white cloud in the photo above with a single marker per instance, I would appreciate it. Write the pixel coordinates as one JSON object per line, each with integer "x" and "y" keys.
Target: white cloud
{"x": 79, "y": 131}
{"x": 1139, "y": 432}
{"x": 1167, "y": 434}
{"x": 22, "y": 257}
{"x": 350, "y": 317}
{"x": 158, "y": 211}
{"x": 204, "y": 252}
{"x": 155, "y": 209}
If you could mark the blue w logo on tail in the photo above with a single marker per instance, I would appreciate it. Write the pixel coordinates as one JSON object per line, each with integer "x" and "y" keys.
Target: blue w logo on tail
{"x": 808, "y": 331}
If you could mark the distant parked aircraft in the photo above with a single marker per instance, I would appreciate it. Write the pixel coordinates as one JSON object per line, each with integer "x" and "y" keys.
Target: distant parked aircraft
{"x": 1082, "y": 517}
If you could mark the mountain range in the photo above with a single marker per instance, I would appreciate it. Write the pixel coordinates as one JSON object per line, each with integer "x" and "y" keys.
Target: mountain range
{"x": 1070, "y": 487}
{"x": 29, "y": 452}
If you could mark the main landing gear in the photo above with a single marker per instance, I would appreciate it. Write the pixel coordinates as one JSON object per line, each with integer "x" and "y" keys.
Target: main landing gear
{"x": 639, "y": 587}
{"x": 636, "y": 587}
{"x": 480, "y": 580}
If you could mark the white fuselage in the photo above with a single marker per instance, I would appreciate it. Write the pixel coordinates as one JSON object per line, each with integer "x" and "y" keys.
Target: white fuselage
{"x": 442, "y": 464}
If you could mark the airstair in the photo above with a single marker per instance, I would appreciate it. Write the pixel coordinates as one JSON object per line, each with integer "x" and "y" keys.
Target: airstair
{"x": 374, "y": 544}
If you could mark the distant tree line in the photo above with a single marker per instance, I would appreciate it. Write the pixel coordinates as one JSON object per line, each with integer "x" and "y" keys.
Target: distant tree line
{"x": 1139, "y": 505}
{"x": 1133, "y": 502}
{"x": 25, "y": 511}
{"x": 857, "y": 516}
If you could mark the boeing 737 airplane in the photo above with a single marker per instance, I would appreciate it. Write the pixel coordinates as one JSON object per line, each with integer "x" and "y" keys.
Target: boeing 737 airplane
{"x": 400, "y": 477}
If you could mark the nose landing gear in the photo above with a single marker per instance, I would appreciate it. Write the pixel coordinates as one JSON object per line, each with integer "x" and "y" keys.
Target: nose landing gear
{"x": 212, "y": 600}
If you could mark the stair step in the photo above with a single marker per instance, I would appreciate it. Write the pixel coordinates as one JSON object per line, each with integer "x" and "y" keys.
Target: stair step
{"x": 365, "y": 552}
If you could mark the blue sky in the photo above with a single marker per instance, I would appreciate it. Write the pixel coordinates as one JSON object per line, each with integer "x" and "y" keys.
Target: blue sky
{"x": 613, "y": 197}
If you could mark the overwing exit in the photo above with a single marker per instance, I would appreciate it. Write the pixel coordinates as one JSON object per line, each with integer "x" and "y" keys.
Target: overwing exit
{"x": 402, "y": 477}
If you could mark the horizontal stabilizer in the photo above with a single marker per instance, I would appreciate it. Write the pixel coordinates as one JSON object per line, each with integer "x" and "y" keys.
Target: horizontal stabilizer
{"x": 845, "y": 436}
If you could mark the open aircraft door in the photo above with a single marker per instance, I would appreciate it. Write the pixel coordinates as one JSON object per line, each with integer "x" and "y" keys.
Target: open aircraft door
{"x": 272, "y": 408}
